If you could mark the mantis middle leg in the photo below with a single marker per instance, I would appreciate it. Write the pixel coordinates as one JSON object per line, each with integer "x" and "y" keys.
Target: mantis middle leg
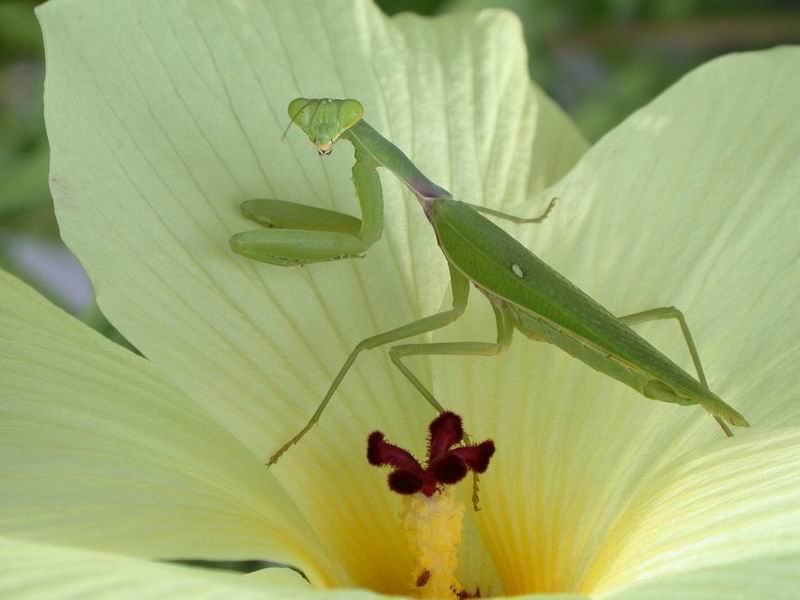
{"x": 460, "y": 288}
{"x": 301, "y": 234}
{"x": 670, "y": 312}
{"x": 505, "y": 331}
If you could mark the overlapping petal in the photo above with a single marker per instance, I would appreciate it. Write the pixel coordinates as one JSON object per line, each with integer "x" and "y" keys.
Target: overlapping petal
{"x": 766, "y": 576}
{"x": 98, "y": 451}
{"x": 692, "y": 202}
{"x": 36, "y": 570}
{"x": 163, "y": 117}
{"x": 714, "y": 513}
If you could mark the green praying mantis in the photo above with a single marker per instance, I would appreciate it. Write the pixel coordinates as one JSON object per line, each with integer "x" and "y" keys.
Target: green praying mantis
{"x": 525, "y": 293}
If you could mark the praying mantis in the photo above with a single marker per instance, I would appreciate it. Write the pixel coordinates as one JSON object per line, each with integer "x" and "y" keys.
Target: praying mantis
{"x": 525, "y": 293}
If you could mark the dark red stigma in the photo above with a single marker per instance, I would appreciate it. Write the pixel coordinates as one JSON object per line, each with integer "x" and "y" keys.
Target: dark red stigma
{"x": 445, "y": 465}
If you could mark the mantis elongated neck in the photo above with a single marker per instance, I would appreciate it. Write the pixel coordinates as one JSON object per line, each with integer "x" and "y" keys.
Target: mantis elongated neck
{"x": 387, "y": 155}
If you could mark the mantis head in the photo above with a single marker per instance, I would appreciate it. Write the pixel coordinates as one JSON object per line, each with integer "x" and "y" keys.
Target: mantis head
{"x": 324, "y": 119}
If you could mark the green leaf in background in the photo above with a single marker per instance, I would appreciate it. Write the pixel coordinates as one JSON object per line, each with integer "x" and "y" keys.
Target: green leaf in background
{"x": 24, "y": 181}
{"x": 19, "y": 34}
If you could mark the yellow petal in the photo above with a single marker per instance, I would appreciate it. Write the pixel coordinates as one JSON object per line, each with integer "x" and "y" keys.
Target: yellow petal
{"x": 164, "y": 117}
{"x": 35, "y": 570}
{"x": 716, "y": 512}
{"x": 97, "y": 450}
{"x": 773, "y": 577}
{"x": 691, "y": 202}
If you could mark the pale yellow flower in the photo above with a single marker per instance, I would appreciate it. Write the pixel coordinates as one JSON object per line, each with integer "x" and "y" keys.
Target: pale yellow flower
{"x": 164, "y": 116}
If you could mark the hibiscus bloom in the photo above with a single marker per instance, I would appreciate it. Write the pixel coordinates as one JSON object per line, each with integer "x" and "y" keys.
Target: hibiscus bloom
{"x": 163, "y": 117}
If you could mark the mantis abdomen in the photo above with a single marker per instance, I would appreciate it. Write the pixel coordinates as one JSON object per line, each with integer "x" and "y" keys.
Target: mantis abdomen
{"x": 547, "y": 307}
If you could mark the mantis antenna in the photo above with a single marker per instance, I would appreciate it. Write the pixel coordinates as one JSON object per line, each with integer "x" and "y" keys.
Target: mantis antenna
{"x": 292, "y": 120}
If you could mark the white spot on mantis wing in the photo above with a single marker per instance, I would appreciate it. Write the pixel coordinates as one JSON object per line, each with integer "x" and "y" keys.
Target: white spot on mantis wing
{"x": 517, "y": 270}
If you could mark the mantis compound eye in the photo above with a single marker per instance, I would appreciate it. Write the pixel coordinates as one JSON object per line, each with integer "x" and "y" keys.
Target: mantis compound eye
{"x": 350, "y": 113}
{"x": 296, "y": 106}
{"x": 301, "y": 113}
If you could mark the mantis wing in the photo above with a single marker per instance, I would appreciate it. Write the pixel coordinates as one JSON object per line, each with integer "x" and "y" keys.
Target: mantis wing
{"x": 550, "y": 308}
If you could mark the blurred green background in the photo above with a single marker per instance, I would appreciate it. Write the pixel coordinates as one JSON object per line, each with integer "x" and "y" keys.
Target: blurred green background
{"x": 599, "y": 59}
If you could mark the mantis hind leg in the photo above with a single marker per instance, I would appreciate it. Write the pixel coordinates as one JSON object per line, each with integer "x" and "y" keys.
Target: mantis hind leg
{"x": 670, "y": 312}
{"x": 297, "y": 235}
{"x": 514, "y": 218}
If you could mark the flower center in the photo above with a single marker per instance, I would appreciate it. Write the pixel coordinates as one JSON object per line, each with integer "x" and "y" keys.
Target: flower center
{"x": 432, "y": 516}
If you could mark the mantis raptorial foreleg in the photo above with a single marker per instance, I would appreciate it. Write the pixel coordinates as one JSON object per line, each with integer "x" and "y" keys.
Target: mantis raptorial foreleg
{"x": 290, "y": 215}
{"x": 460, "y": 288}
{"x": 303, "y": 234}
{"x": 670, "y": 312}
{"x": 514, "y": 218}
